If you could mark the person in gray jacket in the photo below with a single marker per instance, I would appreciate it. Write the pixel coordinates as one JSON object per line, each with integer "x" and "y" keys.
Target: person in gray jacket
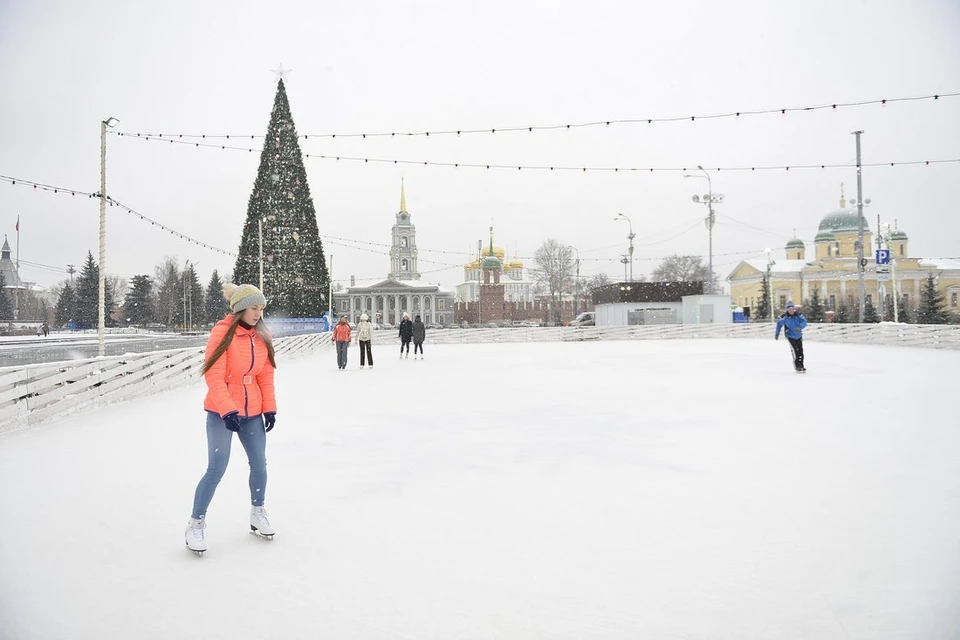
{"x": 364, "y": 340}
{"x": 419, "y": 335}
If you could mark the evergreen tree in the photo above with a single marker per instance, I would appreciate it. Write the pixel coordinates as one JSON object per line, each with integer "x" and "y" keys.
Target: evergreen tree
{"x": 138, "y": 308}
{"x": 169, "y": 292}
{"x": 870, "y": 313}
{"x": 196, "y": 310}
{"x": 6, "y": 309}
{"x": 813, "y": 308}
{"x": 295, "y": 277}
{"x": 763, "y": 301}
{"x": 88, "y": 294}
{"x": 904, "y": 312}
{"x": 933, "y": 303}
{"x": 845, "y": 314}
{"x": 65, "y": 310}
{"x": 215, "y": 305}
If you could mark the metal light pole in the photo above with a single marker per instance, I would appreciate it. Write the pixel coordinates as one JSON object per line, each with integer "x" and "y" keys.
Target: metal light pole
{"x": 624, "y": 259}
{"x": 860, "y": 265}
{"x": 630, "y": 238}
{"x": 708, "y": 199}
{"x": 102, "y": 285}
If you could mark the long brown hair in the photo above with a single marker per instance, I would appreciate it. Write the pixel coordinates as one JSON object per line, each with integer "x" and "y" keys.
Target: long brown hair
{"x": 262, "y": 332}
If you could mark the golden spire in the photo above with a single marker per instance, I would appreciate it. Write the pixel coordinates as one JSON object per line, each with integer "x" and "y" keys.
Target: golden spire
{"x": 403, "y": 197}
{"x": 843, "y": 201}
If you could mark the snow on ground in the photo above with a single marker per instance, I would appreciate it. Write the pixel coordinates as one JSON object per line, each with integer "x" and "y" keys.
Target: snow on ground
{"x": 653, "y": 489}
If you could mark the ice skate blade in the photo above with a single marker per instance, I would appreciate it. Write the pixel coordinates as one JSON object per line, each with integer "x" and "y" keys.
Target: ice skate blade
{"x": 262, "y": 536}
{"x": 199, "y": 554}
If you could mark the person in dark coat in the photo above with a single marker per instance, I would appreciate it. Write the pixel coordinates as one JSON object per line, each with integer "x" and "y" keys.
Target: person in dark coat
{"x": 419, "y": 335}
{"x": 406, "y": 334}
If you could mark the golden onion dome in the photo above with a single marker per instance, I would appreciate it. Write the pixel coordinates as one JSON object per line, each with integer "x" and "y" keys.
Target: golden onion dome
{"x": 515, "y": 264}
{"x": 472, "y": 265}
{"x": 497, "y": 252}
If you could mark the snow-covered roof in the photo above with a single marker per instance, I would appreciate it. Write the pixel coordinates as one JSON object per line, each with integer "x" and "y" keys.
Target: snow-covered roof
{"x": 943, "y": 264}
{"x": 778, "y": 266}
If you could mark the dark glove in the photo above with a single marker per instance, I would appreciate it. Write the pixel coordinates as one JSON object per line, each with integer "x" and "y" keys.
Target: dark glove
{"x": 232, "y": 421}
{"x": 269, "y": 420}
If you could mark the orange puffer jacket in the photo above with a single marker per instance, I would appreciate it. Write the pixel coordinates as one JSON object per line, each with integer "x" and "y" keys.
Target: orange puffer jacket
{"x": 242, "y": 379}
{"x": 341, "y": 332}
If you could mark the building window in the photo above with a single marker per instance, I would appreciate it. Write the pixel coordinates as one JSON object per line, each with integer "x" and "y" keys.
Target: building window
{"x": 869, "y": 299}
{"x": 441, "y": 305}
{"x": 906, "y": 300}
{"x": 783, "y": 302}
{"x": 403, "y": 242}
{"x": 901, "y": 249}
{"x": 833, "y": 303}
{"x": 849, "y": 299}
{"x": 403, "y": 265}
{"x": 953, "y": 299}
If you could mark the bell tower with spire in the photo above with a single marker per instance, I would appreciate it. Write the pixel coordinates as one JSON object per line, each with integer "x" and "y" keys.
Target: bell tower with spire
{"x": 403, "y": 250}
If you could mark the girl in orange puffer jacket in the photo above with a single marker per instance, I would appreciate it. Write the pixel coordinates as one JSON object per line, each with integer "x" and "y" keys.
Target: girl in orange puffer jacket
{"x": 238, "y": 369}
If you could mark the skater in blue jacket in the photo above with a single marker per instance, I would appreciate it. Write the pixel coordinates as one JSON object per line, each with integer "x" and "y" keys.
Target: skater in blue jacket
{"x": 793, "y": 323}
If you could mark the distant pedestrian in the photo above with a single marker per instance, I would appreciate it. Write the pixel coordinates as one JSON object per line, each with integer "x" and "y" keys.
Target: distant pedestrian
{"x": 793, "y": 323}
{"x": 406, "y": 334}
{"x": 46, "y": 329}
{"x": 341, "y": 336}
{"x": 364, "y": 340}
{"x": 419, "y": 335}
{"x": 39, "y": 331}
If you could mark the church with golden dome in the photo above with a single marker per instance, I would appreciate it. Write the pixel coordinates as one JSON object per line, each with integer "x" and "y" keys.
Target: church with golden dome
{"x": 508, "y": 273}
{"x": 833, "y": 271}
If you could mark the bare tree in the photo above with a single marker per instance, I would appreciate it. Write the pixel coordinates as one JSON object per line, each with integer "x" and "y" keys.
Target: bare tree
{"x": 555, "y": 271}
{"x": 677, "y": 268}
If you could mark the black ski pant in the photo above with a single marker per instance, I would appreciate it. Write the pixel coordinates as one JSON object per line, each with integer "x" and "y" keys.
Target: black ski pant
{"x": 417, "y": 346}
{"x": 366, "y": 353}
{"x": 404, "y": 344}
{"x": 796, "y": 346}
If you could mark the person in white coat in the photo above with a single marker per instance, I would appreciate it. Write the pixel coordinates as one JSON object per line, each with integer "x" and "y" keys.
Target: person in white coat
{"x": 364, "y": 340}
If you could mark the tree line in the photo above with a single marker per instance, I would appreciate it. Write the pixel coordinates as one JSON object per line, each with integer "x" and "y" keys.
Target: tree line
{"x": 931, "y": 308}
{"x": 171, "y": 297}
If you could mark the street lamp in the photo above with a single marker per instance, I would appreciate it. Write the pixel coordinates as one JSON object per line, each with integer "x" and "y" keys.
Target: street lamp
{"x": 861, "y": 260}
{"x": 709, "y": 199}
{"x": 630, "y": 238}
{"x": 102, "y": 285}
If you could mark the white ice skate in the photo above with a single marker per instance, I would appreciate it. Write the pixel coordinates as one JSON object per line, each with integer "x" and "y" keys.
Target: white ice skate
{"x": 193, "y": 536}
{"x": 259, "y": 525}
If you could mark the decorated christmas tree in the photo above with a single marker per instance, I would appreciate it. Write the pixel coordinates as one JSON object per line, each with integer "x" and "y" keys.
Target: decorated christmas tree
{"x": 295, "y": 277}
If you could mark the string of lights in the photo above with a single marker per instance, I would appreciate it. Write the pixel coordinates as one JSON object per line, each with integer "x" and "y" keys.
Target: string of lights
{"x": 559, "y": 168}
{"x": 833, "y": 106}
{"x": 46, "y": 187}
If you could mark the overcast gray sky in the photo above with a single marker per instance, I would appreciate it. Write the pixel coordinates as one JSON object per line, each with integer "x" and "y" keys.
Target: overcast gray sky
{"x": 204, "y": 67}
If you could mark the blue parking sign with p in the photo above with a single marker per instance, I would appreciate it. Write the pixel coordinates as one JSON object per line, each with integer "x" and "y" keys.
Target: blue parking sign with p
{"x": 883, "y": 256}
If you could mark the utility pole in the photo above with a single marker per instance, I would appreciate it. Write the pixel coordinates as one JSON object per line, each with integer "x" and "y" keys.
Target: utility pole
{"x": 479, "y": 277}
{"x": 260, "y": 241}
{"x": 329, "y": 292}
{"x": 860, "y": 259}
{"x": 880, "y": 287}
{"x": 624, "y": 259}
{"x": 576, "y": 295}
{"x": 102, "y": 267}
{"x": 630, "y": 237}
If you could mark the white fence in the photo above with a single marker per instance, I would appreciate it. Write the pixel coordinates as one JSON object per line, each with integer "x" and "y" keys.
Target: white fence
{"x": 35, "y": 393}
{"x": 913, "y": 335}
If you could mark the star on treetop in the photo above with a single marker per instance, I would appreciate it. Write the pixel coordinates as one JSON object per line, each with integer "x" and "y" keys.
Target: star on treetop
{"x": 281, "y": 73}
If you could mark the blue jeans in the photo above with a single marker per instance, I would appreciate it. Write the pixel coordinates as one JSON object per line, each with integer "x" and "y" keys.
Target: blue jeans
{"x": 254, "y": 441}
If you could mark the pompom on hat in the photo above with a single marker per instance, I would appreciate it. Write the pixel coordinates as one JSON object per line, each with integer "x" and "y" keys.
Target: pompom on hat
{"x": 243, "y": 296}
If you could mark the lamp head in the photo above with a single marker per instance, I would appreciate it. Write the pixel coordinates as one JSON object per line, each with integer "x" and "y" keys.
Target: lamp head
{"x": 696, "y": 198}
{"x": 111, "y": 122}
